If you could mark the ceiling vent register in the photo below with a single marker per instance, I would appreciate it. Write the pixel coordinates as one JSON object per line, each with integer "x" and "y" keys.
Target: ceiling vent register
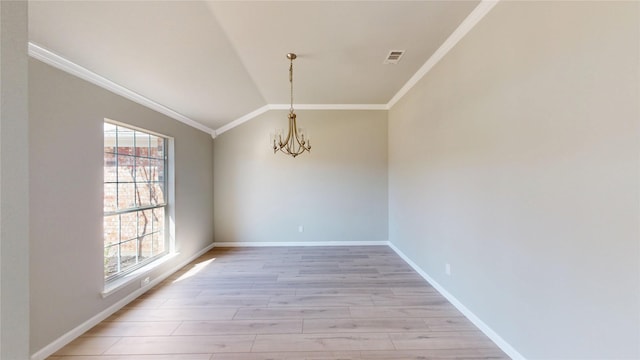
{"x": 393, "y": 57}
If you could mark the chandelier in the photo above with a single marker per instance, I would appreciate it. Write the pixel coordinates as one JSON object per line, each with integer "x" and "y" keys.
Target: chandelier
{"x": 295, "y": 142}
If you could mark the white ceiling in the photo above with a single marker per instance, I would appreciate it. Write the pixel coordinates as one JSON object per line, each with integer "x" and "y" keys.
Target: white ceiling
{"x": 216, "y": 61}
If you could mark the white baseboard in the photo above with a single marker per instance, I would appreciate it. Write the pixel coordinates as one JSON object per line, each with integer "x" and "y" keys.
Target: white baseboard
{"x": 497, "y": 339}
{"x": 65, "y": 339}
{"x": 299, "y": 243}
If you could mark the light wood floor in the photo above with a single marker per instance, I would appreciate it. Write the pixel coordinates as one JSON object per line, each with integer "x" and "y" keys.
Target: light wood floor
{"x": 292, "y": 303}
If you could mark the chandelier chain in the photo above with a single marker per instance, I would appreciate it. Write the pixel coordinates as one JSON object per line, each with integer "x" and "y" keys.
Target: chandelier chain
{"x": 291, "y": 83}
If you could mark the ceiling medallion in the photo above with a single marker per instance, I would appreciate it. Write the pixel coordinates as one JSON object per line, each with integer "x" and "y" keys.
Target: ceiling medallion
{"x": 295, "y": 143}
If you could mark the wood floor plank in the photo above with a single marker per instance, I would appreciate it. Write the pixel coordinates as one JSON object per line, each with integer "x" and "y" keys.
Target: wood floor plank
{"x": 149, "y": 302}
{"x": 404, "y": 311}
{"x": 180, "y": 314}
{"x": 181, "y": 344}
{"x": 239, "y": 327}
{"x": 288, "y": 303}
{"x": 133, "y": 328}
{"x": 441, "y": 340}
{"x": 363, "y": 325}
{"x": 322, "y": 342}
{"x": 320, "y": 300}
{"x": 217, "y": 301}
{"x": 343, "y": 291}
{"x": 208, "y": 293}
{"x": 449, "y": 324}
{"x": 436, "y": 354}
{"x": 412, "y": 300}
{"x": 88, "y": 345}
{"x": 319, "y": 277}
{"x": 423, "y": 290}
{"x": 292, "y": 313}
{"x": 136, "y": 357}
{"x": 167, "y": 292}
{"x": 291, "y": 355}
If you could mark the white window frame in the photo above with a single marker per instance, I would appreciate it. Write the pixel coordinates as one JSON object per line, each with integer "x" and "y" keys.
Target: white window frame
{"x": 122, "y": 278}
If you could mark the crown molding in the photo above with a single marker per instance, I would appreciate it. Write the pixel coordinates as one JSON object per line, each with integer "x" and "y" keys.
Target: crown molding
{"x": 329, "y": 106}
{"x": 59, "y": 62}
{"x": 467, "y": 24}
{"x": 269, "y": 107}
{"x": 241, "y": 120}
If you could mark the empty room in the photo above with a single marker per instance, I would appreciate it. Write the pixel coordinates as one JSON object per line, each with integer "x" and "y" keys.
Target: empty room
{"x": 319, "y": 180}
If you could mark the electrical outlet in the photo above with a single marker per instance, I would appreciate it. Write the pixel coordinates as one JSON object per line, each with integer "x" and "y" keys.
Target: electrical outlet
{"x": 447, "y": 269}
{"x": 144, "y": 282}
{"x": 300, "y": 228}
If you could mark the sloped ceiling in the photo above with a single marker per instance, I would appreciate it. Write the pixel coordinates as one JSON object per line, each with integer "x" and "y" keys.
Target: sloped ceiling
{"x": 216, "y": 61}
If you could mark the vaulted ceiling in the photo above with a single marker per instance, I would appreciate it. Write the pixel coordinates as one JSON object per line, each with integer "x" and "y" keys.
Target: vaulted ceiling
{"x": 216, "y": 61}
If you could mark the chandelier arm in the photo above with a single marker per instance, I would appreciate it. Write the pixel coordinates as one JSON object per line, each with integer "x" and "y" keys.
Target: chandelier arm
{"x": 298, "y": 140}
{"x": 294, "y": 126}
{"x": 287, "y": 139}
{"x": 289, "y": 134}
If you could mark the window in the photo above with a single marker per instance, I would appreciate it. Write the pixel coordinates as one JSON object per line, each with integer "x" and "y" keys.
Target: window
{"x": 135, "y": 199}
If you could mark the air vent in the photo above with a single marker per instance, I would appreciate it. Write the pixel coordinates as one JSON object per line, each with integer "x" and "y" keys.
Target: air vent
{"x": 394, "y": 57}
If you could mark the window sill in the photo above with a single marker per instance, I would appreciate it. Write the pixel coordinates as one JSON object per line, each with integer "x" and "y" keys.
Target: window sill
{"x": 138, "y": 275}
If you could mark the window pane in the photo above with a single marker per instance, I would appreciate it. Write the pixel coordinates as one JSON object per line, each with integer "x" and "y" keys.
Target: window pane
{"x": 110, "y": 169}
{"x": 158, "y": 220}
{"x": 110, "y": 196}
{"x": 126, "y": 168}
{"x": 142, "y": 144}
{"x": 126, "y": 196}
{"x": 157, "y": 170}
{"x": 145, "y": 225}
{"x": 109, "y": 138}
{"x": 146, "y": 247}
{"x": 111, "y": 260}
{"x": 143, "y": 196}
{"x": 160, "y": 148}
{"x": 128, "y": 253}
{"x": 159, "y": 244}
{"x": 142, "y": 170}
{"x": 157, "y": 193}
{"x": 111, "y": 229}
{"x": 128, "y": 226}
{"x": 125, "y": 141}
{"x": 153, "y": 146}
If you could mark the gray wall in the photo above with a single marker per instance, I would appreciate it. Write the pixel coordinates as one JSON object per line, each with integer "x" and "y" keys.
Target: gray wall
{"x": 66, "y": 173}
{"x": 516, "y": 160}
{"x": 338, "y": 192}
{"x": 14, "y": 188}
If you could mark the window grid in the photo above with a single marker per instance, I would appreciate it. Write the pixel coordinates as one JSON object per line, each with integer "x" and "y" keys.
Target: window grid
{"x": 135, "y": 176}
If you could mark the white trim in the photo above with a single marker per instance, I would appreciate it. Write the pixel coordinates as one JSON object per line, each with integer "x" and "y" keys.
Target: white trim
{"x": 467, "y": 24}
{"x": 115, "y": 286}
{"x": 329, "y": 106}
{"x": 133, "y": 127}
{"x": 299, "y": 243}
{"x": 57, "y": 61}
{"x": 497, "y": 339}
{"x": 241, "y": 120}
{"x": 60, "y": 342}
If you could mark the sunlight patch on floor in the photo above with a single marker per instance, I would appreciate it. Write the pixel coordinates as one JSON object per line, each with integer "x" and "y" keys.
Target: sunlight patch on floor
{"x": 194, "y": 270}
